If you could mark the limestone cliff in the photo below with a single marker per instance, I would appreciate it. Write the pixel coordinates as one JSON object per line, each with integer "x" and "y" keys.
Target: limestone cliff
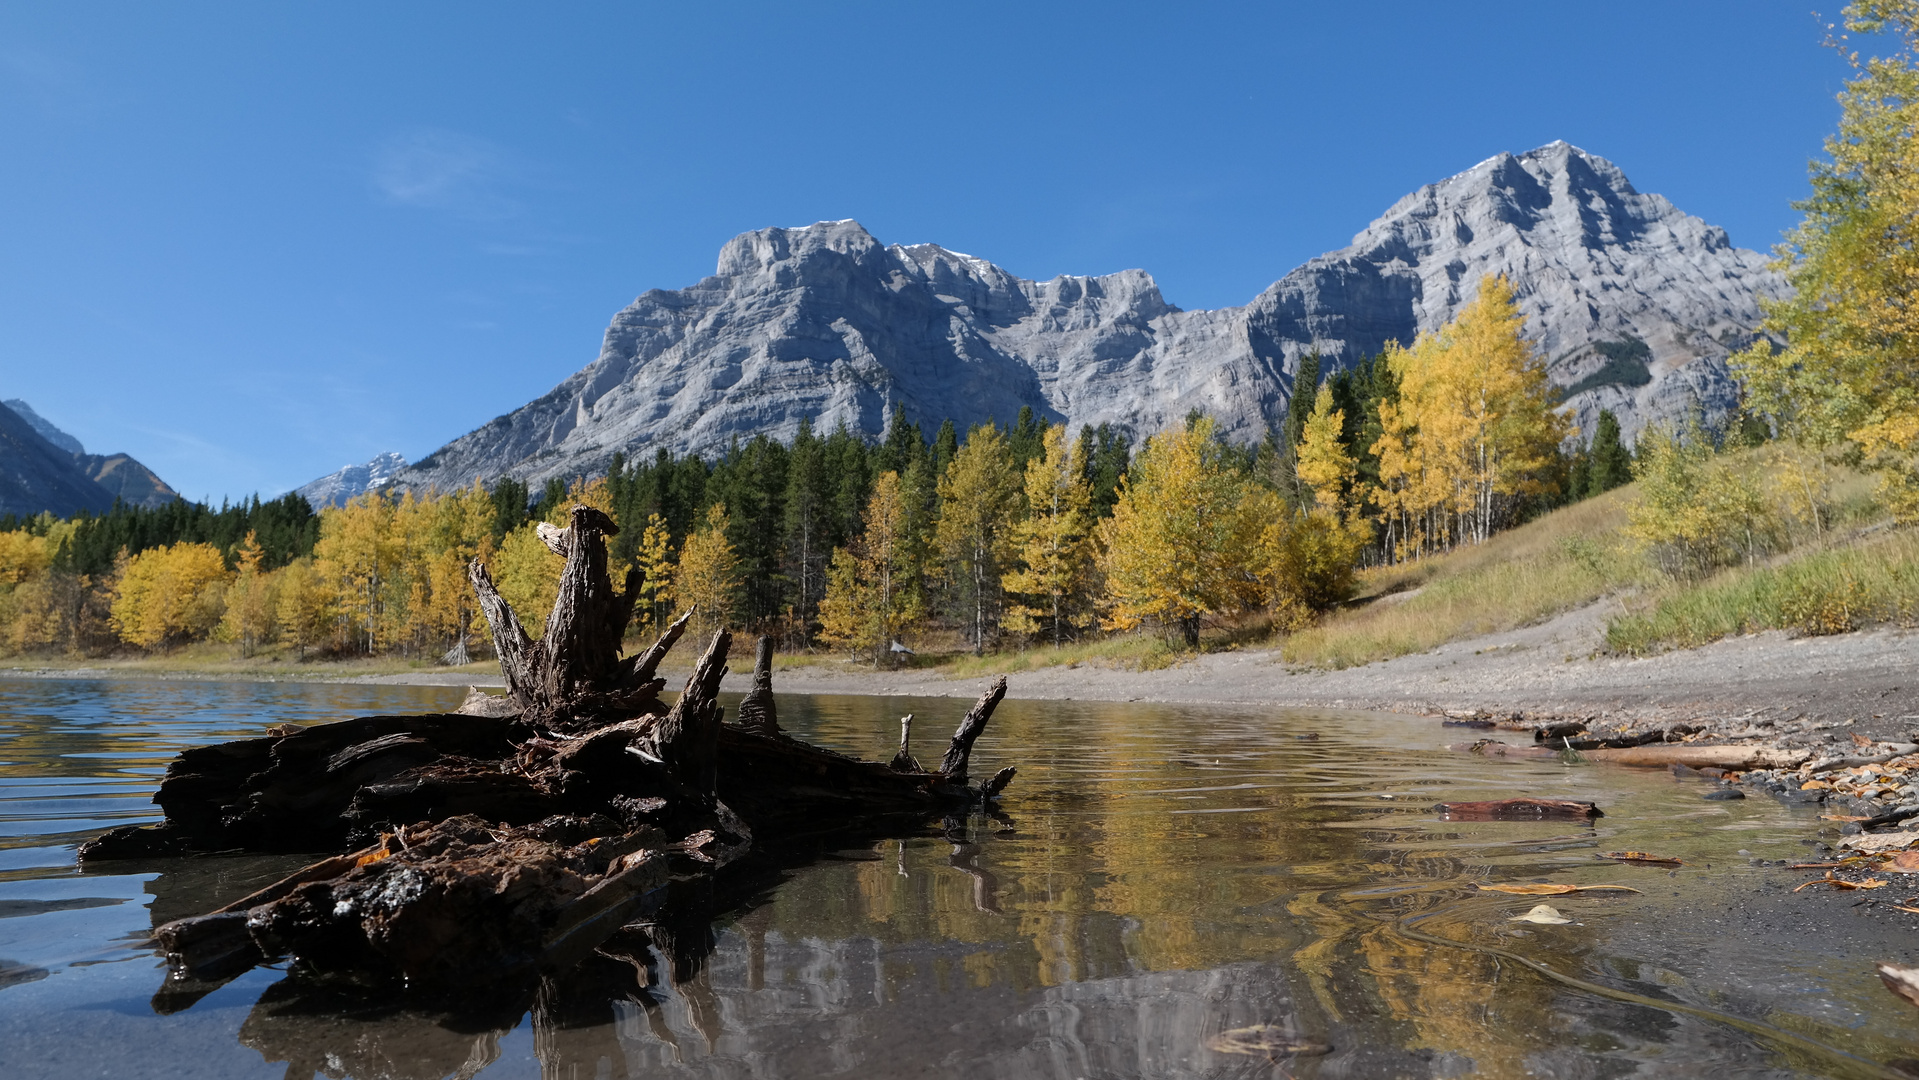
{"x": 1634, "y": 304}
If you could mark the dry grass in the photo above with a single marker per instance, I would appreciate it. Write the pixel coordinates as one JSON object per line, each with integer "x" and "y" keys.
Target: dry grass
{"x": 1561, "y": 561}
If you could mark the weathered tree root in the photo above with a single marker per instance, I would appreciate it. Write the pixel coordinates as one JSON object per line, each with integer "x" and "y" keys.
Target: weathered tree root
{"x": 486, "y": 847}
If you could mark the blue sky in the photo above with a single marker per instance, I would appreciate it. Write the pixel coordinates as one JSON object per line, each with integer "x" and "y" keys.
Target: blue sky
{"x": 249, "y": 243}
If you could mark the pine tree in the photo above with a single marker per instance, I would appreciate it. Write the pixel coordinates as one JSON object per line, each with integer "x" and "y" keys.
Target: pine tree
{"x": 1608, "y": 464}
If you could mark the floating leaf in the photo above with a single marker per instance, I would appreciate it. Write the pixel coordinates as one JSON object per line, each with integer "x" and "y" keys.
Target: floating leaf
{"x": 1539, "y": 889}
{"x": 1842, "y": 817}
{"x": 1266, "y": 1039}
{"x": 1840, "y": 883}
{"x": 1640, "y": 857}
{"x": 1544, "y": 913}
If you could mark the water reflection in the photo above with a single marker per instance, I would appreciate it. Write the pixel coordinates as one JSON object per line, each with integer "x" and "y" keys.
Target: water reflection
{"x": 1164, "y": 876}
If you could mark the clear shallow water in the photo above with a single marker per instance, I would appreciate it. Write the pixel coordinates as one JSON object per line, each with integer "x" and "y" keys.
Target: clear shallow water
{"x": 1163, "y": 874}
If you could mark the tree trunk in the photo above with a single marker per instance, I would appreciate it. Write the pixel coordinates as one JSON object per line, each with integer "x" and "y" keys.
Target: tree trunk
{"x": 483, "y": 847}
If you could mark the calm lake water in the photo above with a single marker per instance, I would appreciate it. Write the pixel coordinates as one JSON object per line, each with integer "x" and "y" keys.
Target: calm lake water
{"x": 1163, "y": 875}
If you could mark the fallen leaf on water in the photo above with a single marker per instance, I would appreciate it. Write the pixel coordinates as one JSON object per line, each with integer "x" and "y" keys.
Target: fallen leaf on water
{"x": 1903, "y": 981}
{"x": 1842, "y": 817}
{"x": 1837, "y": 883}
{"x": 1552, "y": 890}
{"x": 1640, "y": 857}
{"x": 1266, "y": 1039}
{"x": 1544, "y": 913}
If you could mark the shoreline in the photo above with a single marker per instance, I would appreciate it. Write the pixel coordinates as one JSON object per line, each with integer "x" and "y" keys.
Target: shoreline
{"x": 1552, "y": 669}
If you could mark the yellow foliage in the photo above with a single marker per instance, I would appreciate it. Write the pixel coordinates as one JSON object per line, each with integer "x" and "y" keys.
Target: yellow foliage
{"x": 1472, "y": 428}
{"x": 979, "y": 495}
{"x": 1324, "y": 465}
{"x": 170, "y": 593}
{"x": 656, "y": 568}
{"x": 22, "y": 555}
{"x": 1053, "y": 543}
{"x": 527, "y": 574}
{"x": 866, "y": 606}
{"x": 708, "y": 575}
{"x": 1183, "y": 536}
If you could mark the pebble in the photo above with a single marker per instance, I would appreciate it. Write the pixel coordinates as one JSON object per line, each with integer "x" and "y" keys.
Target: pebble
{"x": 1724, "y": 795}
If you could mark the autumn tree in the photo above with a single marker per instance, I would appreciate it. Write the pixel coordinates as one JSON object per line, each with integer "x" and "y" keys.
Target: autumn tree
{"x": 979, "y": 496}
{"x": 1053, "y": 543}
{"x": 654, "y": 560}
{"x": 1471, "y": 431}
{"x": 1325, "y": 468}
{"x": 869, "y": 603}
{"x": 1181, "y": 538}
{"x": 169, "y": 594}
{"x": 707, "y": 577}
{"x": 1846, "y": 381}
{"x": 252, "y": 606}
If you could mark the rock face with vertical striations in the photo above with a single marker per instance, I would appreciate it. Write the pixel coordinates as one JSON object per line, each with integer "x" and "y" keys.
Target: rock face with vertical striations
{"x": 1634, "y": 305}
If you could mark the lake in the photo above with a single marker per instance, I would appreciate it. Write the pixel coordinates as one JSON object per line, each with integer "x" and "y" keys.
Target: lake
{"x": 1172, "y": 891}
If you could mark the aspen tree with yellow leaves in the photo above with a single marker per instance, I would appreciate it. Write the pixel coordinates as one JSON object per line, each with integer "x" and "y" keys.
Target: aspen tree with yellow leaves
{"x": 1846, "y": 382}
{"x": 1053, "y": 543}
{"x": 1325, "y": 468}
{"x": 1472, "y": 431}
{"x": 1182, "y": 537}
{"x": 869, "y": 600}
{"x": 707, "y": 577}
{"x": 251, "y": 602}
{"x": 169, "y": 594}
{"x": 979, "y": 495}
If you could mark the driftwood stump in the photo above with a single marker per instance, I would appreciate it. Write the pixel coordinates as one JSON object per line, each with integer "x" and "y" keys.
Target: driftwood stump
{"x": 480, "y": 847}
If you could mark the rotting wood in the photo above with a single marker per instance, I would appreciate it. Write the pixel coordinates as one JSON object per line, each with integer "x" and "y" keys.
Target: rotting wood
{"x": 487, "y": 846}
{"x": 756, "y": 712}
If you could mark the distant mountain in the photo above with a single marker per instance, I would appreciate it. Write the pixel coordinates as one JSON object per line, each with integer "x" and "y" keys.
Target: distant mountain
{"x": 1634, "y": 304}
{"x": 121, "y": 476}
{"x": 127, "y": 479}
{"x": 352, "y": 481}
{"x": 36, "y": 476}
{"x": 45, "y": 427}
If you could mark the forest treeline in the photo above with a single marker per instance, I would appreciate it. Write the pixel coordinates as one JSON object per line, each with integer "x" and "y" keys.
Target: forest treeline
{"x": 983, "y": 538}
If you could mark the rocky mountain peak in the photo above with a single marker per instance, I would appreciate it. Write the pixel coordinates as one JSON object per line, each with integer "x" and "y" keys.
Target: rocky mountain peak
{"x": 1634, "y": 305}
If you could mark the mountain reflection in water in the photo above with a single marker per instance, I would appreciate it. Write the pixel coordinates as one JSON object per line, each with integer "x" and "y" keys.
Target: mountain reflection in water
{"x": 1163, "y": 876}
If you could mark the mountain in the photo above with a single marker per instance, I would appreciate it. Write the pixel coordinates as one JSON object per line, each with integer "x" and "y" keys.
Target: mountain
{"x": 1634, "y": 304}
{"x": 45, "y": 427}
{"x": 36, "y": 476}
{"x": 121, "y": 476}
{"x": 352, "y": 481}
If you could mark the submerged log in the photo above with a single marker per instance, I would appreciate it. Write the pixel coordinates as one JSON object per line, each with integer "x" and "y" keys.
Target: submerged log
{"x": 483, "y": 846}
{"x": 1520, "y": 810}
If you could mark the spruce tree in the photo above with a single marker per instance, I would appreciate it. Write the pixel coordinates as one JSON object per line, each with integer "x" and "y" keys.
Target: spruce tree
{"x": 1608, "y": 465}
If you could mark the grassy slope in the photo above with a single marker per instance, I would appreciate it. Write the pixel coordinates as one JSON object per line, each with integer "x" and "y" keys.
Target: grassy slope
{"x": 1563, "y": 560}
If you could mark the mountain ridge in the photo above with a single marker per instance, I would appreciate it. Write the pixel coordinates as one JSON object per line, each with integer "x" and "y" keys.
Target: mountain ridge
{"x": 825, "y": 323}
